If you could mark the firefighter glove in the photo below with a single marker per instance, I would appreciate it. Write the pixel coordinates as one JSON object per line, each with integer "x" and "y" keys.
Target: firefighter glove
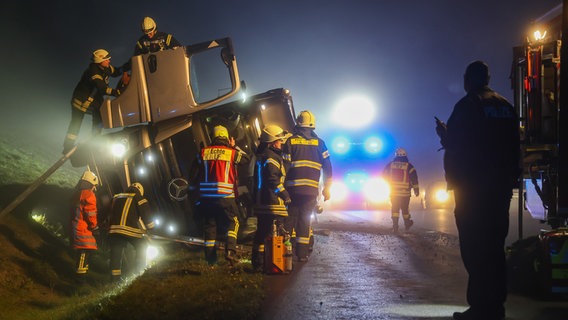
{"x": 125, "y": 78}
{"x": 326, "y": 193}
{"x": 416, "y": 192}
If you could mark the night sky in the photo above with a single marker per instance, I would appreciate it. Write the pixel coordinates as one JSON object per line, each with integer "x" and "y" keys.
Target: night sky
{"x": 407, "y": 57}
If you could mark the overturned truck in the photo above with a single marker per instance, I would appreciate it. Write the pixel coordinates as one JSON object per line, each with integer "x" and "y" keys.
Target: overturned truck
{"x": 154, "y": 131}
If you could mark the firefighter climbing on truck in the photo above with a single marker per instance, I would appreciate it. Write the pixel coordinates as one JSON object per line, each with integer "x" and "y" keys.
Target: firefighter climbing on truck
{"x": 89, "y": 94}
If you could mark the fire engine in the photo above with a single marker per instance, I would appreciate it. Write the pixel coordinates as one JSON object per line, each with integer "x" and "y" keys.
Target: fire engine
{"x": 536, "y": 80}
{"x": 540, "y": 85}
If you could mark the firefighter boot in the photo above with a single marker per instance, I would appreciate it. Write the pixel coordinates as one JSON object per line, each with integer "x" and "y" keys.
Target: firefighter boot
{"x": 408, "y": 223}
{"x": 395, "y": 225}
{"x": 231, "y": 258}
{"x": 211, "y": 255}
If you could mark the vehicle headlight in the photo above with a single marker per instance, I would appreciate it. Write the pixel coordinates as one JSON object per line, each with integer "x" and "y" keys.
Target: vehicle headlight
{"x": 377, "y": 190}
{"x": 339, "y": 191}
{"x": 441, "y": 195}
{"x": 119, "y": 148}
{"x": 152, "y": 253}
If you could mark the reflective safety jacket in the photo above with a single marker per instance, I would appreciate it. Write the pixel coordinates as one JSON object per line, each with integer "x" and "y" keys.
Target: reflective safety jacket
{"x": 270, "y": 173}
{"x": 218, "y": 177}
{"x": 84, "y": 220}
{"x": 309, "y": 158}
{"x": 129, "y": 212}
{"x": 93, "y": 86}
{"x": 401, "y": 176}
{"x": 160, "y": 41}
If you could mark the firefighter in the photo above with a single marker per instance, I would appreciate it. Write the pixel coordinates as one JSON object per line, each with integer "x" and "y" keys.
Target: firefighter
{"x": 130, "y": 219}
{"x": 217, "y": 207}
{"x": 309, "y": 162}
{"x": 84, "y": 222}
{"x": 402, "y": 177}
{"x": 271, "y": 195}
{"x": 89, "y": 94}
{"x": 152, "y": 41}
{"x": 482, "y": 165}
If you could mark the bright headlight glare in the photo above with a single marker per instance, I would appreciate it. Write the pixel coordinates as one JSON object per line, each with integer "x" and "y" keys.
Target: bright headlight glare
{"x": 119, "y": 148}
{"x": 339, "y": 191}
{"x": 152, "y": 254}
{"x": 376, "y": 190}
{"x": 441, "y": 195}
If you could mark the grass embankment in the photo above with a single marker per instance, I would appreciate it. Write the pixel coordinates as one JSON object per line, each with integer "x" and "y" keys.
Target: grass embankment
{"x": 37, "y": 272}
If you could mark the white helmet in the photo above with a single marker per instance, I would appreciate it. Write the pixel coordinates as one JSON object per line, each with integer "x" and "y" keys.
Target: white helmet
{"x": 272, "y": 133}
{"x": 100, "y": 55}
{"x": 400, "y": 152}
{"x": 90, "y": 177}
{"x": 148, "y": 25}
{"x": 306, "y": 119}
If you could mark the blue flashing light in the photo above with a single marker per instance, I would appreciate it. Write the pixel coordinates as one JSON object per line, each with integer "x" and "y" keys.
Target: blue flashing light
{"x": 341, "y": 145}
{"x": 355, "y": 181}
{"x": 373, "y": 145}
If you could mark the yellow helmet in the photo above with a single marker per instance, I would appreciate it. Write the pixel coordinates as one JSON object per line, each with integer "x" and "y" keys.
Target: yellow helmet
{"x": 90, "y": 177}
{"x": 138, "y": 186}
{"x": 306, "y": 119}
{"x": 148, "y": 25}
{"x": 400, "y": 152}
{"x": 100, "y": 55}
{"x": 220, "y": 132}
{"x": 272, "y": 133}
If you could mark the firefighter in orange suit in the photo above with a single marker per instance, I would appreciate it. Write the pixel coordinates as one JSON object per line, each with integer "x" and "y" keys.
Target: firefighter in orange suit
{"x": 217, "y": 207}
{"x": 271, "y": 196}
{"x": 84, "y": 221}
{"x": 89, "y": 94}
{"x": 402, "y": 177}
{"x": 309, "y": 162}
{"x": 130, "y": 219}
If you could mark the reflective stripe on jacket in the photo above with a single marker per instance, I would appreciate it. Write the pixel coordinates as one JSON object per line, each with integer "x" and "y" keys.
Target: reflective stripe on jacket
{"x": 160, "y": 41}
{"x": 127, "y": 211}
{"x": 270, "y": 175}
{"x": 83, "y": 220}
{"x": 308, "y": 157}
{"x": 219, "y": 172}
{"x": 93, "y": 86}
{"x": 401, "y": 176}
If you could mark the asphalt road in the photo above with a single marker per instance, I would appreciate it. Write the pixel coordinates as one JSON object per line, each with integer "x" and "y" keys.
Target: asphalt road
{"x": 361, "y": 270}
